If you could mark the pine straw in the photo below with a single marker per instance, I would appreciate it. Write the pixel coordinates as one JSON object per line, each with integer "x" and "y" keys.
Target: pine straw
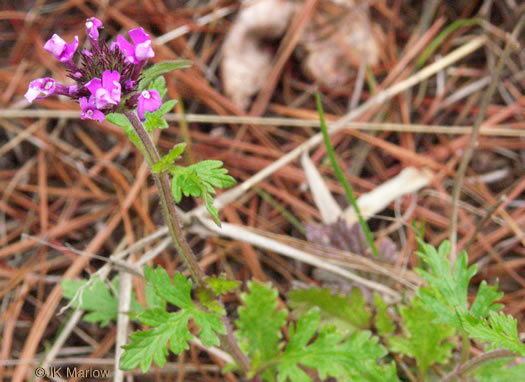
{"x": 78, "y": 184}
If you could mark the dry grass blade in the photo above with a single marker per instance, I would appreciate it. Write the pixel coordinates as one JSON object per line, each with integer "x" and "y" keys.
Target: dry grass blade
{"x": 467, "y": 155}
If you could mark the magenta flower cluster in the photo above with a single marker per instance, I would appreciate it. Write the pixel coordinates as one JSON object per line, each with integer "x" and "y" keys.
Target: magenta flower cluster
{"x": 106, "y": 78}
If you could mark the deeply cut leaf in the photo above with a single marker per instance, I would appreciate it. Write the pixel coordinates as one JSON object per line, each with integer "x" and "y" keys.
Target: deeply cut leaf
{"x": 259, "y": 323}
{"x": 501, "y": 331}
{"x": 383, "y": 322}
{"x": 155, "y": 120}
{"x": 199, "y": 180}
{"x": 343, "y": 312}
{"x": 96, "y": 299}
{"x": 424, "y": 340}
{"x": 166, "y": 161}
{"x": 221, "y": 285}
{"x": 446, "y": 297}
{"x": 331, "y": 354}
{"x": 151, "y": 345}
{"x": 498, "y": 371}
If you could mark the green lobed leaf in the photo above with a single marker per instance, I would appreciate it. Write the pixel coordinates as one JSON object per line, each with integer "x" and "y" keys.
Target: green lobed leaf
{"x": 212, "y": 174}
{"x": 484, "y": 302}
{"x": 155, "y": 120}
{"x": 500, "y": 331}
{"x": 176, "y": 292}
{"x": 210, "y": 303}
{"x": 166, "y": 161}
{"x": 221, "y": 285}
{"x": 424, "y": 340}
{"x": 383, "y": 322}
{"x": 96, "y": 299}
{"x": 343, "y": 312}
{"x": 447, "y": 295}
{"x": 159, "y": 84}
{"x": 159, "y": 69}
{"x": 499, "y": 371}
{"x": 208, "y": 201}
{"x": 332, "y": 354}
{"x": 198, "y": 180}
{"x": 153, "y": 300}
{"x": 259, "y": 323}
{"x": 151, "y": 345}
{"x": 100, "y": 301}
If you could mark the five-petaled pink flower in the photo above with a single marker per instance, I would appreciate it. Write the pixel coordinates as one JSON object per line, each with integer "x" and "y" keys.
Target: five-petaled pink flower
{"x": 60, "y": 49}
{"x": 140, "y": 50}
{"x": 106, "y": 91}
{"x": 89, "y": 111}
{"x": 40, "y": 88}
{"x": 149, "y": 100}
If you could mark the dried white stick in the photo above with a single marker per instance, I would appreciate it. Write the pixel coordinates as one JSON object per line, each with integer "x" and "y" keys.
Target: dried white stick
{"x": 409, "y": 180}
{"x": 181, "y": 31}
{"x": 124, "y": 303}
{"x": 323, "y": 199}
{"x": 239, "y": 233}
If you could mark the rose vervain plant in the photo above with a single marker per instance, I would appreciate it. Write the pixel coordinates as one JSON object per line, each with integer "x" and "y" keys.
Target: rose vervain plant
{"x": 332, "y": 333}
{"x": 110, "y": 82}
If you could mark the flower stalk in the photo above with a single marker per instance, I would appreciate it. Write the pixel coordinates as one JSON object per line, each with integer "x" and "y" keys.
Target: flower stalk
{"x": 228, "y": 341}
{"x": 168, "y": 204}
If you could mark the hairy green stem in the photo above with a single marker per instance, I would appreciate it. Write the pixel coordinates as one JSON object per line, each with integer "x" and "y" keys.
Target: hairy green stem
{"x": 477, "y": 362}
{"x": 228, "y": 341}
{"x": 168, "y": 204}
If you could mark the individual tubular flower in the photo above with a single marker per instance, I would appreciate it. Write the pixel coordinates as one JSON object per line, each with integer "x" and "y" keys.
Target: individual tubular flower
{"x": 140, "y": 50}
{"x": 89, "y": 111}
{"x": 60, "y": 49}
{"x": 40, "y": 89}
{"x": 149, "y": 100}
{"x": 92, "y": 26}
{"x": 72, "y": 90}
{"x": 106, "y": 91}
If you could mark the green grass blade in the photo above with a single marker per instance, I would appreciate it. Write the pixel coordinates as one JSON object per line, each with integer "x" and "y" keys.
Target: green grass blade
{"x": 442, "y": 36}
{"x": 341, "y": 177}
